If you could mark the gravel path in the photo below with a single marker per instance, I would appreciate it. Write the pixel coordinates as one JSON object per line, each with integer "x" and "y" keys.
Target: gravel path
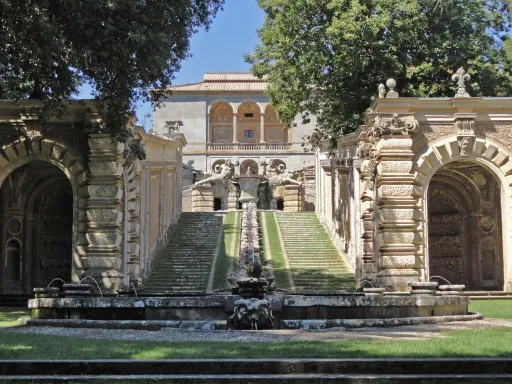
{"x": 177, "y": 335}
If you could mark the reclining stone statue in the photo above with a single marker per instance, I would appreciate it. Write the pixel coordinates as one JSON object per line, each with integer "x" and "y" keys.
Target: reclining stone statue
{"x": 277, "y": 174}
{"x": 221, "y": 174}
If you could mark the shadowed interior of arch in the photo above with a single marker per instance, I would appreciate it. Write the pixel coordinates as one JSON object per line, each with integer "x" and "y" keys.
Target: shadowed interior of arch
{"x": 464, "y": 226}
{"x": 36, "y": 215}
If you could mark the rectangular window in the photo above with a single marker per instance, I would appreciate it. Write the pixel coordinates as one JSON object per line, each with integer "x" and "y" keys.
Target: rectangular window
{"x": 248, "y": 115}
{"x": 249, "y": 134}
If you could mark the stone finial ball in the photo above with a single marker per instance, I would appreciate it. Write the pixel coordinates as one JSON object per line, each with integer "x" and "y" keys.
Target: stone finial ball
{"x": 391, "y": 83}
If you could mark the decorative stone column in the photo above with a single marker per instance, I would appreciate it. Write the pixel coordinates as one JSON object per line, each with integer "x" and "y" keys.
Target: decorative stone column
{"x": 367, "y": 176}
{"x": 399, "y": 224}
{"x": 235, "y": 128}
{"x": 209, "y": 130}
{"x": 104, "y": 215}
{"x": 262, "y": 128}
{"x": 133, "y": 210}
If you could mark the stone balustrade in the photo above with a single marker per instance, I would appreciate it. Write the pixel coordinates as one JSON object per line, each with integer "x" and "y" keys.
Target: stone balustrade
{"x": 248, "y": 147}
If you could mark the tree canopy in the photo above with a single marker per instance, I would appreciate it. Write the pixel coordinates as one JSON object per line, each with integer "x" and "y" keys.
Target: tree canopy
{"x": 48, "y": 48}
{"x": 327, "y": 57}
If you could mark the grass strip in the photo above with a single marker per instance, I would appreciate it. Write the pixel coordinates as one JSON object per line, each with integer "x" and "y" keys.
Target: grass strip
{"x": 499, "y": 309}
{"x": 226, "y": 258}
{"x": 272, "y": 242}
{"x": 464, "y": 343}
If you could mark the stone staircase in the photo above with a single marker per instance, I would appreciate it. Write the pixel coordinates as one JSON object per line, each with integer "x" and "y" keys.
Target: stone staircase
{"x": 315, "y": 263}
{"x": 185, "y": 263}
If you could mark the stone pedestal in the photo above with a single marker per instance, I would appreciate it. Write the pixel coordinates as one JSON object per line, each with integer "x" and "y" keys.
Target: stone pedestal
{"x": 104, "y": 215}
{"x": 232, "y": 197}
{"x": 202, "y": 198}
{"x": 293, "y": 198}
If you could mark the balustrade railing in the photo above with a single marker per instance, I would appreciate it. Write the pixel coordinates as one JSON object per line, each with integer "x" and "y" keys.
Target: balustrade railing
{"x": 248, "y": 147}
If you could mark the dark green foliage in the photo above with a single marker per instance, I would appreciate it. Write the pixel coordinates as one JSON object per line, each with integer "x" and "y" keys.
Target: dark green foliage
{"x": 48, "y": 48}
{"x": 327, "y": 57}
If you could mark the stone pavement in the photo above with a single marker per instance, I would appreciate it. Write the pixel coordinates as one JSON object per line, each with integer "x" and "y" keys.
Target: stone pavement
{"x": 416, "y": 332}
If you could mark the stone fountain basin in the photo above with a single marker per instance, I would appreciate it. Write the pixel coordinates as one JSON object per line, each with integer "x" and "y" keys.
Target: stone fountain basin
{"x": 220, "y": 307}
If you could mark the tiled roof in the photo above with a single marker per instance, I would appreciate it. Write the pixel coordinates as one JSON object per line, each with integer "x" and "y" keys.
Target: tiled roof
{"x": 225, "y": 82}
{"x": 231, "y": 76}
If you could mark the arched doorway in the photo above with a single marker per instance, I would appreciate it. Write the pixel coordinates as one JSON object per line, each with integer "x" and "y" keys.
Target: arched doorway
{"x": 464, "y": 226}
{"x": 36, "y": 213}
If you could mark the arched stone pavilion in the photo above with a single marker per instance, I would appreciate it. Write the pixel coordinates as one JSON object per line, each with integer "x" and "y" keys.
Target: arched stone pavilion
{"x": 74, "y": 203}
{"x": 423, "y": 189}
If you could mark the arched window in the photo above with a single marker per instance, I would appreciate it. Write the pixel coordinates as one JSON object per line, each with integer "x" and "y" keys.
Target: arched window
{"x": 221, "y": 123}
{"x": 13, "y": 260}
{"x": 249, "y": 167}
{"x": 249, "y": 121}
{"x": 274, "y": 129}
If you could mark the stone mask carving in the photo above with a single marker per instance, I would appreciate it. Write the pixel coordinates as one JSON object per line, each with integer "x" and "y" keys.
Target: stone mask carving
{"x": 252, "y": 314}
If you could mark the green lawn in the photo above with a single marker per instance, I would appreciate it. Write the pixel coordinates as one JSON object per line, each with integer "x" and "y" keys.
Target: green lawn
{"x": 9, "y": 316}
{"x": 464, "y": 343}
{"x": 278, "y": 263}
{"x": 500, "y": 309}
{"x": 483, "y": 343}
{"x": 226, "y": 258}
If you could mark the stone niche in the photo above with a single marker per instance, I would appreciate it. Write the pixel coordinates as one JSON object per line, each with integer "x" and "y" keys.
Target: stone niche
{"x": 464, "y": 226}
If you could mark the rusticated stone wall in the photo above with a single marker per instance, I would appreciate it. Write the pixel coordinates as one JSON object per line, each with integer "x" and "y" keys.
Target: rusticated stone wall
{"x": 78, "y": 201}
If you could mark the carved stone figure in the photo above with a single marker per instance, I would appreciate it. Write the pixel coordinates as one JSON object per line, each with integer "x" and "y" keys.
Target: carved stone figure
{"x": 277, "y": 174}
{"x": 465, "y": 144}
{"x": 382, "y": 91}
{"x": 222, "y": 174}
{"x": 135, "y": 150}
{"x": 252, "y": 314}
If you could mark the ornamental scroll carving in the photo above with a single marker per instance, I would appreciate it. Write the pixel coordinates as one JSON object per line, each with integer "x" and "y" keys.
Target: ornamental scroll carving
{"x": 394, "y": 126}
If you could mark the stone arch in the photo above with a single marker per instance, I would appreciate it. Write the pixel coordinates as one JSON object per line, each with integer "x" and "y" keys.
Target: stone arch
{"x": 250, "y": 166}
{"x": 217, "y": 163}
{"x": 17, "y": 153}
{"x": 491, "y": 156}
{"x": 274, "y": 128}
{"x": 249, "y": 121}
{"x": 47, "y": 247}
{"x": 220, "y": 119}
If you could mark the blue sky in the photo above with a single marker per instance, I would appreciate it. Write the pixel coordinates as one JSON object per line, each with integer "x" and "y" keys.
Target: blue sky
{"x": 221, "y": 49}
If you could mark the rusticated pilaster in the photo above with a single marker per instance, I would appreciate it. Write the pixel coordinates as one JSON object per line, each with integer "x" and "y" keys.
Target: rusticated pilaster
{"x": 400, "y": 228}
{"x": 104, "y": 214}
{"x": 367, "y": 176}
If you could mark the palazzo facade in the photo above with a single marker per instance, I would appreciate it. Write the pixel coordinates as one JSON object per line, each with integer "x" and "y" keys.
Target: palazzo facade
{"x": 423, "y": 190}
{"x": 228, "y": 116}
{"x": 74, "y": 203}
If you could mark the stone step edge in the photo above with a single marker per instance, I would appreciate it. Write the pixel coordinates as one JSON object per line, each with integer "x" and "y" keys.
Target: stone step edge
{"x": 263, "y": 378}
{"x": 150, "y": 325}
{"x": 222, "y": 324}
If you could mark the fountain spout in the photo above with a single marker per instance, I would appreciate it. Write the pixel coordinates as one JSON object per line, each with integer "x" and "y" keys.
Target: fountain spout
{"x": 134, "y": 290}
{"x": 57, "y": 278}
{"x": 89, "y": 277}
{"x": 439, "y": 277}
